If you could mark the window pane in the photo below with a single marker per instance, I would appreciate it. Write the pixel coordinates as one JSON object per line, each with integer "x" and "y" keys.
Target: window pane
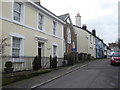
{"x": 17, "y": 7}
{"x": 54, "y": 27}
{"x": 17, "y": 16}
{"x": 16, "y": 46}
{"x": 40, "y": 26}
{"x": 15, "y": 52}
{"x": 54, "y": 50}
{"x": 16, "y": 42}
{"x": 40, "y": 22}
{"x": 17, "y": 11}
{"x": 69, "y": 35}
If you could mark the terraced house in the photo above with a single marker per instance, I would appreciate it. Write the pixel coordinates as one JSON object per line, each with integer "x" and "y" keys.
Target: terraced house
{"x": 32, "y": 30}
{"x": 85, "y": 39}
{"x": 99, "y": 48}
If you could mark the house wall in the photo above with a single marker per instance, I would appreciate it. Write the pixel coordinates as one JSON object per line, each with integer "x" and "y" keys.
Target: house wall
{"x": 91, "y": 45}
{"x": 29, "y": 28}
{"x": 7, "y": 10}
{"x": 84, "y": 44}
{"x": 82, "y": 40}
{"x": 29, "y": 32}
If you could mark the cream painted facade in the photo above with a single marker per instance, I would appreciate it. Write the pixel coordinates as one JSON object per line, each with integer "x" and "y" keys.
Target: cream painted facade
{"x": 27, "y": 30}
{"x": 82, "y": 40}
{"x": 85, "y": 41}
{"x": 91, "y": 45}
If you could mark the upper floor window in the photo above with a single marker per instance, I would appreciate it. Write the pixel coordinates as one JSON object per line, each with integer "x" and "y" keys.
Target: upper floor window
{"x": 40, "y": 21}
{"x": 17, "y": 11}
{"x": 90, "y": 37}
{"x": 54, "y": 27}
{"x": 68, "y": 35}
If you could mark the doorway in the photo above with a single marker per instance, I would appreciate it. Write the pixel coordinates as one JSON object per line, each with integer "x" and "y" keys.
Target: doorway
{"x": 40, "y": 52}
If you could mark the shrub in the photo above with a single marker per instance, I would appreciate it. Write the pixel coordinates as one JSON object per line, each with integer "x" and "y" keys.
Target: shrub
{"x": 54, "y": 62}
{"x": 36, "y": 63}
{"x": 8, "y": 68}
{"x": 8, "y": 64}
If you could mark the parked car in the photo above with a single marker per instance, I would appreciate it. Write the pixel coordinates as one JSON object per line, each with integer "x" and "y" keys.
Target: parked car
{"x": 115, "y": 58}
{"x": 114, "y": 51}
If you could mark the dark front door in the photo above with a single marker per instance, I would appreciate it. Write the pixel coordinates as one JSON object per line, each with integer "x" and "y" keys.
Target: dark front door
{"x": 39, "y": 54}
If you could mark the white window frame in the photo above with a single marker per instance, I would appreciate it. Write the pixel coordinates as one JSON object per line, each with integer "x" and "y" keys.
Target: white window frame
{"x": 16, "y": 48}
{"x": 21, "y": 47}
{"x": 22, "y": 12}
{"x": 69, "y": 36}
{"x": 54, "y": 27}
{"x": 43, "y": 21}
{"x": 54, "y": 44}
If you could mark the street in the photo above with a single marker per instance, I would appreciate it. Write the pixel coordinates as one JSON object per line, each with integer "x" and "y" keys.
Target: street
{"x": 98, "y": 74}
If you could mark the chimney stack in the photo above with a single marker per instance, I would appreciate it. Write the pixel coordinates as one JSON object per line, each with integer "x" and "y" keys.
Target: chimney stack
{"x": 78, "y": 20}
{"x": 84, "y": 27}
{"x": 94, "y": 32}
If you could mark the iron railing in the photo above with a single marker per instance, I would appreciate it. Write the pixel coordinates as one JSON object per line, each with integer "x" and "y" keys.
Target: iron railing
{"x": 25, "y": 62}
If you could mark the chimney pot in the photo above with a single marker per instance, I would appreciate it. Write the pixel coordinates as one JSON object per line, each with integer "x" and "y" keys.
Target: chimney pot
{"x": 78, "y": 15}
{"x": 84, "y": 27}
{"x": 94, "y": 32}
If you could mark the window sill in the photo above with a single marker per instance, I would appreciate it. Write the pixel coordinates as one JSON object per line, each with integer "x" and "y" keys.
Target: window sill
{"x": 17, "y": 60}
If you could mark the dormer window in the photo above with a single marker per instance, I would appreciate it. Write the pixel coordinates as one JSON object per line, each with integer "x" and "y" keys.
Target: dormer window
{"x": 68, "y": 35}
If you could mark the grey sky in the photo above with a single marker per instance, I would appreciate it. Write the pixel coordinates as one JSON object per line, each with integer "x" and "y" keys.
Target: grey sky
{"x": 101, "y": 15}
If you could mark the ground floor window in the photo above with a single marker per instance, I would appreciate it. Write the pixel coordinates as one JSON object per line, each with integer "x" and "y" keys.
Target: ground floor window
{"x": 16, "y": 46}
{"x": 17, "y": 49}
{"x": 54, "y": 50}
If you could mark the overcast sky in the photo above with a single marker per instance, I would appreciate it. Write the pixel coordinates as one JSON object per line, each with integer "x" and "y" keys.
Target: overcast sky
{"x": 101, "y": 15}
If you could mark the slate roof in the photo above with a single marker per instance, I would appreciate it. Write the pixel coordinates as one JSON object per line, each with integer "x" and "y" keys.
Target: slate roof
{"x": 89, "y": 32}
{"x": 63, "y": 17}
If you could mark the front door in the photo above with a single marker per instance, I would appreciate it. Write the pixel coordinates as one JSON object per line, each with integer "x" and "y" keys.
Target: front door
{"x": 39, "y": 52}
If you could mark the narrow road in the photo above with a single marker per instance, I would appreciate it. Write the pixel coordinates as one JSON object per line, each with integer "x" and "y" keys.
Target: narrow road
{"x": 98, "y": 74}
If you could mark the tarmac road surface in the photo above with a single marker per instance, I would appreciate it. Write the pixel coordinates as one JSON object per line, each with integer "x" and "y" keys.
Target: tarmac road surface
{"x": 98, "y": 74}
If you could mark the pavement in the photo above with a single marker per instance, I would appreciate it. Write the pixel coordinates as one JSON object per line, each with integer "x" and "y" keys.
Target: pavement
{"x": 40, "y": 80}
